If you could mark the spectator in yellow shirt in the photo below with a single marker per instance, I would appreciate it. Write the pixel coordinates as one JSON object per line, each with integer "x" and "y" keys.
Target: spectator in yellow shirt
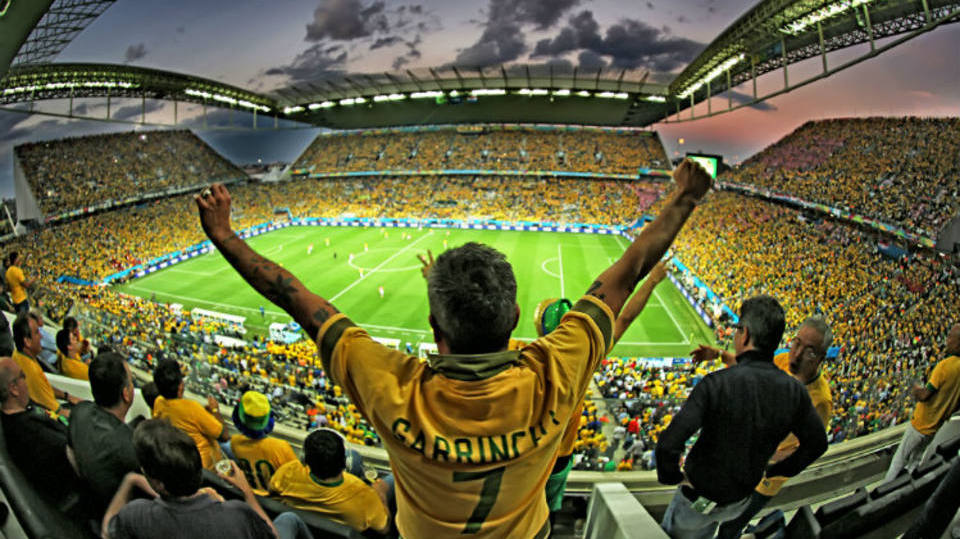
{"x": 26, "y": 337}
{"x": 17, "y": 283}
{"x": 257, "y": 454}
{"x": 68, "y": 354}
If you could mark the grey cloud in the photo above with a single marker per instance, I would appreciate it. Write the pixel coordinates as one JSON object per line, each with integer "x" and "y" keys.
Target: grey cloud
{"x": 742, "y": 98}
{"x": 591, "y": 60}
{"x": 317, "y": 62}
{"x": 135, "y": 52}
{"x": 345, "y": 20}
{"x": 385, "y": 42}
{"x": 134, "y": 111}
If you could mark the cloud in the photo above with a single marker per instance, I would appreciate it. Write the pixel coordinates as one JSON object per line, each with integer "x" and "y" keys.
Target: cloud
{"x": 591, "y": 60}
{"x": 80, "y": 110}
{"x": 742, "y": 98}
{"x": 345, "y": 20}
{"x": 317, "y": 62}
{"x": 629, "y": 44}
{"x": 502, "y": 39}
{"x": 135, "y": 52}
{"x": 385, "y": 42}
{"x": 134, "y": 111}
{"x": 181, "y": 29}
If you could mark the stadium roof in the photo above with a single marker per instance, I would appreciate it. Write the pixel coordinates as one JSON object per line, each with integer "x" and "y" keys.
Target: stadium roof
{"x": 771, "y": 36}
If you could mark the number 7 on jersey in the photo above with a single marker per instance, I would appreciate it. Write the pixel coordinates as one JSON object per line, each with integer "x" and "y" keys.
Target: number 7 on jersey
{"x": 488, "y": 495}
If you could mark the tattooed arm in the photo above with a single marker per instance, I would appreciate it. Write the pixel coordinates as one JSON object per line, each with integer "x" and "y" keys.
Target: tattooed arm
{"x": 273, "y": 282}
{"x": 614, "y": 285}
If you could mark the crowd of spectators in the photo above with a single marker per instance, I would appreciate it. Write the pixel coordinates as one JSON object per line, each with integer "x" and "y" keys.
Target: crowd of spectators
{"x": 901, "y": 171}
{"x": 601, "y": 152}
{"x": 74, "y": 173}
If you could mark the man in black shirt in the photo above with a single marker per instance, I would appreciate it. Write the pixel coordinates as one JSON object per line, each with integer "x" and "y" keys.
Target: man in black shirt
{"x": 36, "y": 442}
{"x": 743, "y": 413}
{"x": 102, "y": 444}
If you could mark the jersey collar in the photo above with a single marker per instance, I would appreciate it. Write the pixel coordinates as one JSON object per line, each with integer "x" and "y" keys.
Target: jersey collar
{"x": 470, "y": 367}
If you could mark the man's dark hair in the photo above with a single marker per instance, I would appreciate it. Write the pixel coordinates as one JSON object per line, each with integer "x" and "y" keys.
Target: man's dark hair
{"x": 11, "y": 257}
{"x": 473, "y": 298}
{"x": 764, "y": 320}
{"x": 70, "y": 323}
{"x": 167, "y": 376}
{"x": 150, "y": 393}
{"x": 63, "y": 341}
{"x": 108, "y": 378}
{"x": 169, "y": 455}
{"x": 324, "y": 453}
{"x": 21, "y": 331}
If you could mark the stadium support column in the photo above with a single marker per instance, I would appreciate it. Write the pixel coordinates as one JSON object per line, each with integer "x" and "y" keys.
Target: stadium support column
{"x": 783, "y": 52}
{"x": 204, "y": 112}
{"x": 276, "y": 122}
{"x": 174, "y": 112}
{"x": 692, "y": 105}
{"x": 729, "y": 91}
{"x": 108, "y": 102}
{"x": 866, "y": 18}
{"x": 709, "y": 105}
{"x": 823, "y": 50}
{"x": 254, "y": 118}
{"x": 143, "y": 108}
{"x": 71, "y": 102}
{"x": 753, "y": 75}
{"x": 926, "y": 12}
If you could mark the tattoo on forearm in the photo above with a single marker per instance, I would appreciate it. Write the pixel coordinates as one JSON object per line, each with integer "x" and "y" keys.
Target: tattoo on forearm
{"x": 592, "y": 291}
{"x": 280, "y": 291}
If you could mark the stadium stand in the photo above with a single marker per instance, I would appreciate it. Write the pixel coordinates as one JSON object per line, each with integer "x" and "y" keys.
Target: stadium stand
{"x": 901, "y": 171}
{"x": 487, "y": 148}
{"x": 78, "y": 172}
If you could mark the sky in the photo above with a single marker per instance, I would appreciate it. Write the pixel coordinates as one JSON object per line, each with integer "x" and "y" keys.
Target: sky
{"x": 265, "y": 45}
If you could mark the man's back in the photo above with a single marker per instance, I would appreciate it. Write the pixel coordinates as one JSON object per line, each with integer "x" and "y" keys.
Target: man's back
{"x": 195, "y": 516}
{"x": 472, "y": 439}
{"x": 259, "y": 459}
{"x": 931, "y": 413}
{"x": 41, "y": 392}
{"x": 192, "y": 418}
{"x": 349, "y": 501}
{"x": 38, "y": 446}
{"x": 103, "y": 448}
{"x": 744, "y": 412}
{"x": 15, "y": 278}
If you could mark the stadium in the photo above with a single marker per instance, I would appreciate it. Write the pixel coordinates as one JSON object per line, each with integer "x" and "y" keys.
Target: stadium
{"x": 851, "y": 219}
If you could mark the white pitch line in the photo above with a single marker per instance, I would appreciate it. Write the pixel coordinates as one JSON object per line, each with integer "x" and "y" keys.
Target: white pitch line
{"x": 188, "y": 272}
{"x": 384, "y": 263}
{"x": 545, "y": 270}
{"x": 560, "y": 261}
{"x": 686, "y": 340}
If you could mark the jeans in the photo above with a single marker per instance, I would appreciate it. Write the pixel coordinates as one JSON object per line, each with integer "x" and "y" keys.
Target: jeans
{"x": 909, "y": 453}
{"x": 682, "y": 521}
{"x": 290, "y": 526}
{"x": 732, "y": 529}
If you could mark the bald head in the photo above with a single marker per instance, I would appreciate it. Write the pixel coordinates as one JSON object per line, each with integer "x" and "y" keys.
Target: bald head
{"x": 9, "y": 372}
{"x": 953, "y": 340}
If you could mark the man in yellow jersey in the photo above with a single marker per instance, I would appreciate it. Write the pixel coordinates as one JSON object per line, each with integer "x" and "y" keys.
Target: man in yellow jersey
{"x": 17, "y": 283}
{"x": 257, "y": 454}
{"x": 808, "y": 350}
{"x": 26, "y": 337}
{"x": 68, "y": 357}
{"x": 203, "y": 424}
{"x": 936, "y": 400}
{"x": 321, "y": 484}
{"x": 473, "y": 432}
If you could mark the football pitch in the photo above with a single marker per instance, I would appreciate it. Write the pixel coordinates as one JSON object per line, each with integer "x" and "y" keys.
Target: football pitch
{"x": 546, "y": 264}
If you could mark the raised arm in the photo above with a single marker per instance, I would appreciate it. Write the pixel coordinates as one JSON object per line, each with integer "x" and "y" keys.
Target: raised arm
{"x": 614, "y": 285}
{"x": 269, "y": 279}
{"x": 638, "y": 301}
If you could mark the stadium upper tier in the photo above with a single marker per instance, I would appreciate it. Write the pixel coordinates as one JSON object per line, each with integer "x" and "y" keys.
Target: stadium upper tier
{"x": 523, "y": 148}
{"x": 75, "y": 173}
{"x": 902, "y": 171}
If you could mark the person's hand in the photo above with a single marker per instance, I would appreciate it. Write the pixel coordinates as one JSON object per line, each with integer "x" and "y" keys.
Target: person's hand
{"x": 212, "y": 405}
{"x": 214, "y": 205}
{"x": 692, "y": 179}
{"x": 209, "y": 491}
{"x": 140, "y": 481}
{"x": 74, "y": 400}
{"x": 427, "y": 263}
{"x": 658, "y": 272}
{"x": 704, "y": 353}
{"x": 236, "y": 478}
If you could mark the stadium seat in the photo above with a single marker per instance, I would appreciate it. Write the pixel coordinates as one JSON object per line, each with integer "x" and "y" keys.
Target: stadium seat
{"x": 928, "y": 466}
{"x": 832, "y": 511}
{"x": 770, "y": 525}
{"x": 875, "y": 514}
{"x": 38, "y": 517}
{"x": 948, "y": 449}
{"x": 889, "y": 486}
{"x": 803, "y": 525}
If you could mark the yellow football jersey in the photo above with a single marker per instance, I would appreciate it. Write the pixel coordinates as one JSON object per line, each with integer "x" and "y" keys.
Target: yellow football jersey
{"x": 15, "y": 280}
{"x": 259, "y": 459}
{"x": 73, "y": 368}
{"x": 472, "y": 438}
{"x": 349, "y": 501}
{"x": 191, "y": 417}
{"x": 931, "y": 413}
{"x": 41, "y": 392}
{"x": 822, "y": 399}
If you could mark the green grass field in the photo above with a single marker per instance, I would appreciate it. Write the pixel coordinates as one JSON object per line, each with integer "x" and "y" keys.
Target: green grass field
{"x": 546, "y": 264}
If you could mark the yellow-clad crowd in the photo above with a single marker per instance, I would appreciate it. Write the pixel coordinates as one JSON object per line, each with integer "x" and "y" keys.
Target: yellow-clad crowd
{"x": 488, "y": 148}
{"x": 78, "y": 172}
{"x": 902, "y": 171}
